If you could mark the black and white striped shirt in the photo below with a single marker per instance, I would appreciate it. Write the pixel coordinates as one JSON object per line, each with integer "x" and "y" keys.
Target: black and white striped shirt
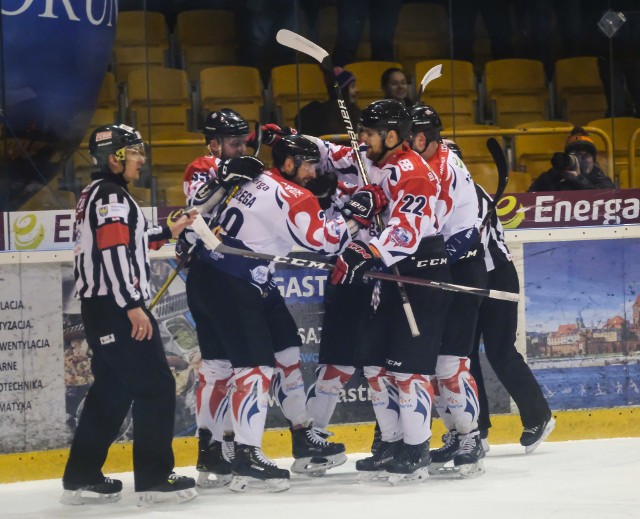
{"x": 495, "y": 249}
{"x": 112, "y": 242}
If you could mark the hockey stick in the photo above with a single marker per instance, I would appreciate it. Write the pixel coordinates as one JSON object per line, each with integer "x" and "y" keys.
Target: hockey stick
{"x": 212, "y": 242}
{"x": 295, "y": 41}
{"x": 433, "y": 73}
{"x": 497, "y": 154}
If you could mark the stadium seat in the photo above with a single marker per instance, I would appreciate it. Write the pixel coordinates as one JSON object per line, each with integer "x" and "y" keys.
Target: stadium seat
{"x": 516, "y": 91}
{"x": 234, "y": 87}
{"x": 519, "y": 182}
{"x": 142, "y": 195}
{"x": 162, "y": 105}
{"x": 421, "y": 34}
{"x": 533, "y": 152}
{"x": 368, "y": 75}
{"x": 140, "y": 41}
{"x": 50, "y": 198}
{"x": 201, "y": 45}
{"x": 620, "y": 134}
{"x": 173, "y": 152}
{"x": 579, "y": 90}
{"x": 474, "y": 148}
{"x": 293, "y": 86}
{"x": 174, "y": 196}
{"x": 454, "y": 95}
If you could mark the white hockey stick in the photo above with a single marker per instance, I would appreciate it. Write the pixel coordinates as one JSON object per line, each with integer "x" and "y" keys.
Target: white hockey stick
{"x": 433, "y": 73}
{"x": 295, "y": 41}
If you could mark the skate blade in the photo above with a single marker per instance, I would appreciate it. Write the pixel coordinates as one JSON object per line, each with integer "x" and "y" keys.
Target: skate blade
{"x": 246, "y": 483}
{"x": 471, "y": 470}
{"x": 157, "y": 498}
{"x": 217, "y": 481}
{"x": 547, "y": 431}
{"x": 86, "y": 497}
{"x": 314, "y": 467}
{"x": 372, "y": 476}
{"x": 442, "y": 470}
{"x": 417, "y": 476}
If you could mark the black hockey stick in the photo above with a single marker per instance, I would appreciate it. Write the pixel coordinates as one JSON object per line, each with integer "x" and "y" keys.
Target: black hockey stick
{"x": 497, "y": 154}
{"x": 295, "y": 41}
{"x": 433, "y": 73}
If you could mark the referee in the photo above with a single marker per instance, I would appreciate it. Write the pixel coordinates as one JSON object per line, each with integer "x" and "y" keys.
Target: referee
{"x": 112, "y": 271}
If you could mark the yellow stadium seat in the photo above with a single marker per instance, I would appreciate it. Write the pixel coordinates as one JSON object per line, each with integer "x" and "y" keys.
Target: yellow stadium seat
{"x": 484, "y": 174}
{"x": 293, "y": 86}
{"x": 174, "y": 196}
{"x": 141, "y": 40}
{"x": 453, "y": 95}
{"x": 107, "y": 108}
{"x": 421, "y": 34}
{"x": 519, "y": 182}
{"x": 173, "y": 152}
{"x": 620, "y": 134}
{"x": 167, "y": 179}
{"x": 368, "y": 75}
{"x": 142, "y": 195}
{"x": 163, "y": 104}
{"x": 201, "y": 45}
{"x": 234, "y": 87}
{"x": 579, "y": 90}
{"x": 474, "y": 148}
{"x": 516, "y": 91}
{"x": 533, "y": 152}
{"x": 50, "y": 198}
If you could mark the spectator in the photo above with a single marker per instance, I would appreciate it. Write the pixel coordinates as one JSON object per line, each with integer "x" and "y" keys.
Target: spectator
{"x": 394, "y": 86}
{"x": 323, "y": 117}
{"x": 575, "y": 168}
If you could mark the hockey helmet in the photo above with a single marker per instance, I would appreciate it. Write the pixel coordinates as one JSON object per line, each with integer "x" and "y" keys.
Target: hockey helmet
{"x": 296, "y": 146}
{"x": 425, "y": 119}
{"x": 385, "y": 115}
{"x": 224, "y": 123}
{"x": 113, "y": 139}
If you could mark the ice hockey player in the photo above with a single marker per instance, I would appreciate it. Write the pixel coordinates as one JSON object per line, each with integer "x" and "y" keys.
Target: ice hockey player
{"x": 459, "y": 218}
{"x": 365, "y": 325}
{"x": 129, "y": 366}
{"x": 270, "y": 215}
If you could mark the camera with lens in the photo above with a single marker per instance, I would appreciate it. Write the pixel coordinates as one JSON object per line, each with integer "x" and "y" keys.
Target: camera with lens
{"x": 565, "y": 162}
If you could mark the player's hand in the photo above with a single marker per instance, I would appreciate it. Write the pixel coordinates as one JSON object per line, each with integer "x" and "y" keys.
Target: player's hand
{"x": 239, "y": 170}
{"x": 356, "y": 259}
{"x": 365, "y": 204}
{"x": 324, "y": 187}
{"x": 183, "y": 222}
{"x": 141, "y": 327}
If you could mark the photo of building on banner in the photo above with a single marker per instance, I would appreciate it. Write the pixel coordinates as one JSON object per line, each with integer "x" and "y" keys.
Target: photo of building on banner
{"x": 583, "y": 321}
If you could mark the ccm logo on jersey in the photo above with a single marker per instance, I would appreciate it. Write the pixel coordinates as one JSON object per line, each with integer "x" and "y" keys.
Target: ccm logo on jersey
{"x": 470, "y": 254}
{"x": 107, "y": 339}
{"x": 433, "y": 262}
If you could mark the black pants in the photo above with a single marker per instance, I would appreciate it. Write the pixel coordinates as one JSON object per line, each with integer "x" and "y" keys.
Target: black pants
{"x": 497, "y": 324}
{"x": 125, "y": 372}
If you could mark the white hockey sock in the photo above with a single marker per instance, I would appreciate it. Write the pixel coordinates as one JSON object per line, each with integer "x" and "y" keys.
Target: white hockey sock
{"x": 416, "y": 396}
{"x": 323, "y": 394}
{"x": 457, "y": 394}
{"x": 384, "y": 398}
{"x": 249, "y": 400}
{"x": 288, "y": 386}
{"x": 212, "y": 402}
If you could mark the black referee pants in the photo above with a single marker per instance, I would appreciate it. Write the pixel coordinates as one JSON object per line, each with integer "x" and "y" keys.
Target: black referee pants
{"x": 127, "y": 374}
{"x": 497, "y": 324}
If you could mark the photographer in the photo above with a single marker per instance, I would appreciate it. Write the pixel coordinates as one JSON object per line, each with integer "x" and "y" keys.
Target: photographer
{"x": 575, "y": 168}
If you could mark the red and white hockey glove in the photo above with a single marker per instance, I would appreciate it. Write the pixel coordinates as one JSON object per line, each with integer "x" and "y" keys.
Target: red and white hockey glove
{"x": 365, "y": 204}
{"x": 271, "y": 133}
{"x": 356, "y": 259}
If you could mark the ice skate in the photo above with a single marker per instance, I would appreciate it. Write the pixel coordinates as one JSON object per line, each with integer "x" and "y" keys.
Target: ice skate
{"x": 214, "y": 469}
{"x": 374, "y": 467}
{"x": 176, "y": 489}
{"x": 410, "y": 465}
{"x": 252, "y": 469}
{"x": 468, "y": 461}
{"x": 441, "y": 458}
{"x": 534, "y": 436}
{"x": 313, "y": 454}
{"x": 107, "y": 491}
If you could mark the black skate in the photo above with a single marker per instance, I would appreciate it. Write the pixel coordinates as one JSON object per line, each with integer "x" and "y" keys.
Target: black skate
{"x": 468, "y": 461}
{"x": 445, "y": 454}
{"x": 410, "y": 465}
{"x": 176, "y": 489}
{"x": 377, "y": 438}
{"x": 313, "y": 454}
{"x": 211, "y": 461}
{"x": 374, "y": 467}
{"x": 534, "y": 436}
{"x": 106, "y": 491}
{"x": 252, "y": 468}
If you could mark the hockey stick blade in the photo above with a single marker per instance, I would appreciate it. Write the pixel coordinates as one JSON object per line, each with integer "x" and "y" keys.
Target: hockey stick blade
{"x": 301, "y": 44}
{"x": 433, "y": 73}
{"x": 503, "y": 176}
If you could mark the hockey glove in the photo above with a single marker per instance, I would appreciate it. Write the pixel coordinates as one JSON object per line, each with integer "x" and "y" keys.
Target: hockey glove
{"x": 365, "y": 204}
{"x": 352, "y": 264}
{"x": 184, "y": 246}
{"x": 324, "y": 187}
{"x": 238, "y": 171}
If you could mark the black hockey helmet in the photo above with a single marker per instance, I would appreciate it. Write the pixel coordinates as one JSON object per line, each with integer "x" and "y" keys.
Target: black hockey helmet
{"x": 224, "y": 123}
{"x": 112, "y": 139}
{"x": 385, "y": 115}
{"x": 296, "y": 146}
{"x": 425, "y": 119}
